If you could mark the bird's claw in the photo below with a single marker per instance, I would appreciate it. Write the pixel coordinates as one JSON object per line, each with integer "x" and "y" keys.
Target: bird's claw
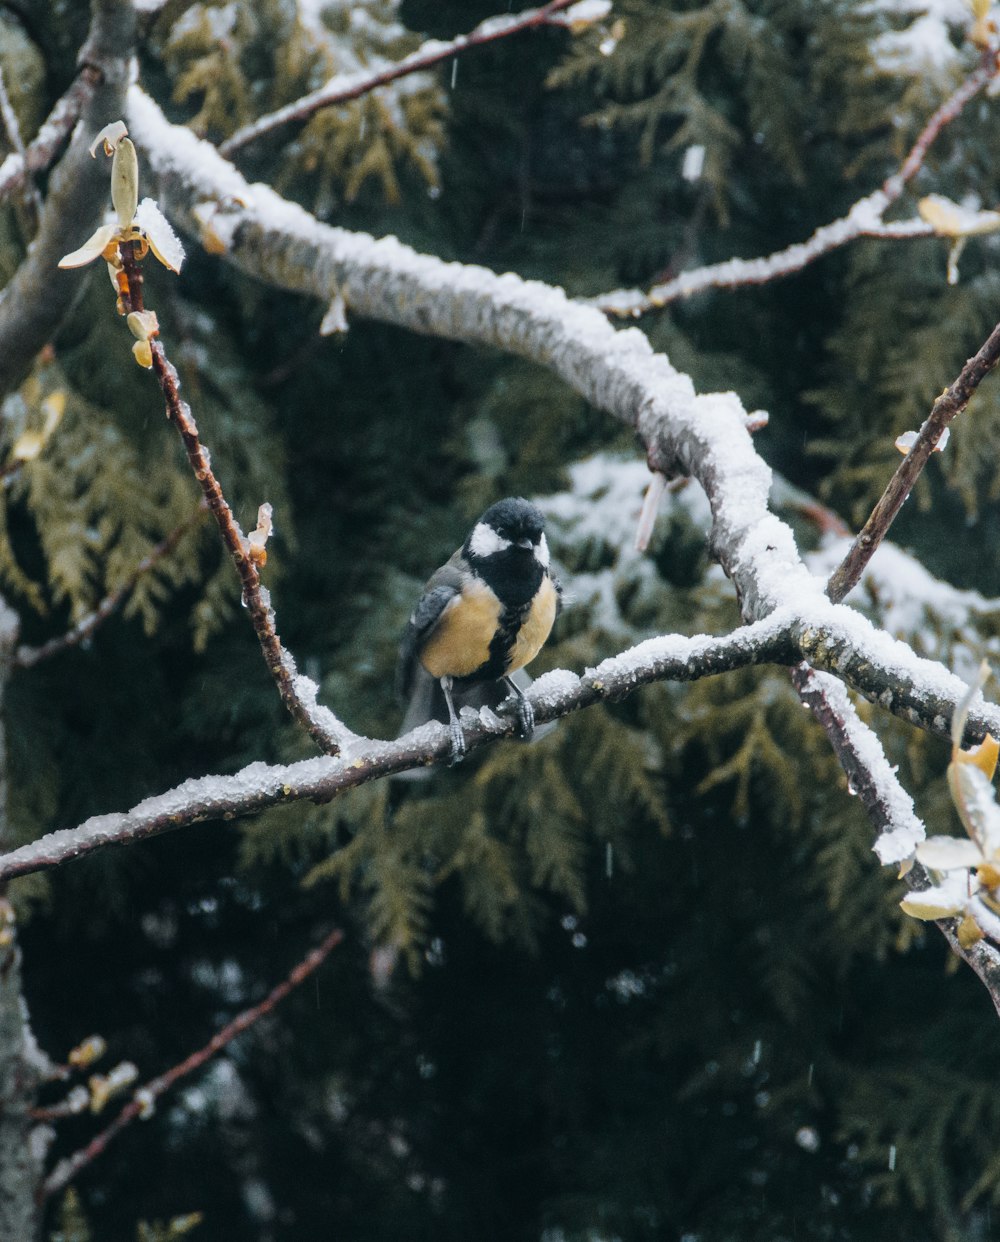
{"x": 525, "y": 718}
{"x": 457, "y": 744}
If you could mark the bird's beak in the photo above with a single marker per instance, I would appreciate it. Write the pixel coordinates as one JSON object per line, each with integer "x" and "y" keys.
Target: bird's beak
{"x": 525, "y": 543}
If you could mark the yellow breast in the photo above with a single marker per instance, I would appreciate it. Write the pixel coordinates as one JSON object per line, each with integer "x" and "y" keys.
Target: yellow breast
{"x": 536, "y": 628}
{"x": 460, "y": 643}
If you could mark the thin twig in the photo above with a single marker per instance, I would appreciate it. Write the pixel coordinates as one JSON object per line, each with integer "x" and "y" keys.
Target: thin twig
{"x": 45, "y": 146}
{"x": 28, "y": 657}
{"x": 144, "y": 1100}
{"x": 347, "y": 86}
{"x": 948, "y": 406}
{"x": 322, "y": 725}
{"x": 863, "y": 220}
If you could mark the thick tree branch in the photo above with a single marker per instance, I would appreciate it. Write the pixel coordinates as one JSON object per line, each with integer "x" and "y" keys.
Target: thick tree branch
{"x": 947, "y": 407}
{"x": 347, "y": 86}
{"x": 144, "y": 1100}
{"x": 865, "y": 219}
{"x": 34, "y": 302}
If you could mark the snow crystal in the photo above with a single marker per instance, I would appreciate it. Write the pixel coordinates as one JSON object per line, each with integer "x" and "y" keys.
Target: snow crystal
{"x": 693, "y": 163}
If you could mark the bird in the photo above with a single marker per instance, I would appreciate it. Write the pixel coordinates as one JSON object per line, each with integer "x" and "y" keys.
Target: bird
{"x": 481, "y": 618}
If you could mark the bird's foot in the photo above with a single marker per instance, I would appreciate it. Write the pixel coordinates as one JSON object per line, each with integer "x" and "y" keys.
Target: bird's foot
{"x": 457, "y": 744}
{"x": 525, "y": 718}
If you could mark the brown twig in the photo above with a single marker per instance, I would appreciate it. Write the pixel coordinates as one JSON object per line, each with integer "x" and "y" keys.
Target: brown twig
{"x": 345, "y": 87}
{"x": 144, "y": 1100}
{"x": 948, "y": 406}
{"x": 256, "y": 598}
{"x": 863, "y": 220}
{"x": 28, "y": 657}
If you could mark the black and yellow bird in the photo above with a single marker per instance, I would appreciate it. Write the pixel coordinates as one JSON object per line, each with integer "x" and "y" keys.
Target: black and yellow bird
{"x": 482, "y": 617}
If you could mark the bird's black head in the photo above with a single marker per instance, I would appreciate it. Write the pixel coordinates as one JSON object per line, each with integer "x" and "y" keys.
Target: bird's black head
{"x": 511, "y": 527}
{"x": 507, "y": 548}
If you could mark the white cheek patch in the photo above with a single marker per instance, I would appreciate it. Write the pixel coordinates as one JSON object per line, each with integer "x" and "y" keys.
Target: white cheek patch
{"x": 542, "y": 552}
{"x": 486, "y": 542}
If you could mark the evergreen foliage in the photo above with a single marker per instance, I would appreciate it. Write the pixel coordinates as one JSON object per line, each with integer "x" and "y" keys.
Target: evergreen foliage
{"x": 651, "y": 981}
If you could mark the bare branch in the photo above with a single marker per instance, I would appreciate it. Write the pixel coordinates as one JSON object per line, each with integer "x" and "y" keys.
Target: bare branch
{"x": 863, "y": 220}
{"x": 144, "y": 1100}
{"x": 28, "y": 657}
{"x": 75, "y": 202}
{"x": 947, "y": 407}
{"x": 347, "y": 86}
{"x": 325, "y": 729}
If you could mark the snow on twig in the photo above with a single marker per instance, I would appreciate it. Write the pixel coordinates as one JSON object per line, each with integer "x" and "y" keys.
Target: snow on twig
{"x": 344, "y": 87}
{"x": 865, "y": 219}
{"x": 869, "y": 774}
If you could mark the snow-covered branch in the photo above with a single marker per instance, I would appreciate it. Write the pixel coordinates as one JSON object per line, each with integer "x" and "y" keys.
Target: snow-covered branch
{"x": 865, "y": 219}
{"x": 261, "y": 785}
{"x": 347, "y": 86}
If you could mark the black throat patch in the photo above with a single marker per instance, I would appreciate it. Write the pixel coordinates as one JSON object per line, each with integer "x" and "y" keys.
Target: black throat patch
{"x": 514, "y": 576}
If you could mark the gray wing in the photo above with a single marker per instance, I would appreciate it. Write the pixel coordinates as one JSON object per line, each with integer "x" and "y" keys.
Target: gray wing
{"x": 440, "y": 590}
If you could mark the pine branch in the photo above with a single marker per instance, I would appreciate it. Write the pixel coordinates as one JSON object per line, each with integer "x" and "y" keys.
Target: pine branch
{"x": 75, "y": 202}
{"x": 28, "y": 657}
{"x": 144, "y": 1100}
{"x": 297, "y": 692}
{"x": 347, "y": 86}
{"x": 865, "y": 219}
{"x": 946, "y": 408}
